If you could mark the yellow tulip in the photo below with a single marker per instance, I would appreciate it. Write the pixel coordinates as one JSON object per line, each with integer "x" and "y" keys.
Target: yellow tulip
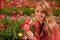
{"x": 31, "y": 8}
{"x": 20, "y": 34}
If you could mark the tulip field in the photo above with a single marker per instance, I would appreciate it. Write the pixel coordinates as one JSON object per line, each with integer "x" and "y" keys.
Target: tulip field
{"x": 16, "y": 17}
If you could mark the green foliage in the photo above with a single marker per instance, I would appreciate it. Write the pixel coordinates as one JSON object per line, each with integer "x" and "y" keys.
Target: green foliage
{"x": 13, "y": 29}
{"x": 56, "y": 11}
{"x": 8, "y": 10}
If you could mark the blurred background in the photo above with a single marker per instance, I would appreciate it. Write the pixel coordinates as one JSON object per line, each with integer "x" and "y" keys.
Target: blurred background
{"x": 13, "y": 15}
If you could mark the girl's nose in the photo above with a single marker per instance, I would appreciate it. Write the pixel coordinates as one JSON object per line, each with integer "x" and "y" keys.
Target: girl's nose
{"x": 42, "y": 14}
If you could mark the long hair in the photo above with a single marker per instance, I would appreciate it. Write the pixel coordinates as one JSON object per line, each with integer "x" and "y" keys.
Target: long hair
{"x": 48, "y": 13}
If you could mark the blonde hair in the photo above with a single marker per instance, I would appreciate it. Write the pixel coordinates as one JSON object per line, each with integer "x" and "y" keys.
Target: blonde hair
{"x": 48, "y": 11}
{"x": 49, "y": 19}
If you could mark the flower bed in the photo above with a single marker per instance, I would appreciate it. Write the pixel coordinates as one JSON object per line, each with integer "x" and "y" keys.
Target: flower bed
{"x": 13, "y": 7}
{"x": 14, "y": 28}
{"x": 14, "y": 21}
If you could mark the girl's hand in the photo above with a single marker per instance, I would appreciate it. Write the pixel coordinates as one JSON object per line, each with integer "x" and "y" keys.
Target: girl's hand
{"x": 30, "y": 35}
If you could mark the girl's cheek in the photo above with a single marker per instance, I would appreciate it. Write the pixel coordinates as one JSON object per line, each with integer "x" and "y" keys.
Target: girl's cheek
{"x": 43, "y": 15}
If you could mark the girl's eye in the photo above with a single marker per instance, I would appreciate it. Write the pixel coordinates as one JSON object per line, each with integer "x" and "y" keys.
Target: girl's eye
{"x": 42, "y": 12}
{"x": 37, "y": 10}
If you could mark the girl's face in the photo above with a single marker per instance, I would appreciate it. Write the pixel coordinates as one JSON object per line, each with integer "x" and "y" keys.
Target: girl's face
{"x": 39, "y": 13}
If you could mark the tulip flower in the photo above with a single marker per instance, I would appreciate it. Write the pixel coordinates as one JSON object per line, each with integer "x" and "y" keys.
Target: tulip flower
{"x": 21, "y": 25}
{"x": 21, "y": 1}
{"x": 26, "y": 27}
{"x": 20, "y": 12}
{"x": 19, "y": 6}
{"x": 2, "y": 3}
{"x": 27, "y": 20}
{"x": 25, "y": 4}
{"x": 1, "y": 26}
{"x": 10, "y": 3}
{"x": 2, "y": 16}
{"x": 59, "y": 15}
{"x": 6, "y": 26}
{"x": 20, "y": 34}
{"x": 13, "y": 18}
{"x": 18, "y": 15}
{"x": 14, "y": 12}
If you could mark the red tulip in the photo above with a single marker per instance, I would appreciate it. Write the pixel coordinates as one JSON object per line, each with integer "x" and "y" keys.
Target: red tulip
{"x": 11, "y": 3}
{"x": 21, "y": 1}
{"x": 52, "y": 4}
{"x": 27, "y": 20}
{"x": 20, "y": 12}
{"x": 26, "y": 27}
{"x": 2, "y": 16}
{"x": 18, "y": 15}
{"x": 1, "y": 26}
{"x": 21, "y": 25}
{"x": 16, "y": 3}
{"x": 25, "y": 4}
{"x": 16, "y": 0}
{"x": 58, "y": 5}
{"x": 2, "y": 3}
{"x": 59, "y": 15}
{"x": 19, "y": 6}
{"x": 32, "y": 3}
{"x": 6, "y": 26}
{"x": 13, "y": 18}
{"x": 14, "y": 12}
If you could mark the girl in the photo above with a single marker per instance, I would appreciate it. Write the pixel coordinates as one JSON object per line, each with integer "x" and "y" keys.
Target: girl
{"x": 47, "y": 28}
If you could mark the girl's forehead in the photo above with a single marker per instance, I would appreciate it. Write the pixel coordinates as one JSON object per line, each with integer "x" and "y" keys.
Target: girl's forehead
{"x": 39, "y": 7}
